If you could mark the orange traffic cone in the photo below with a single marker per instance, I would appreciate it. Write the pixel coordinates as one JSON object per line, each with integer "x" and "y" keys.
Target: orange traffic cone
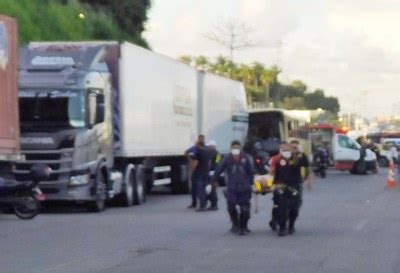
{"x": 390, "y": 182}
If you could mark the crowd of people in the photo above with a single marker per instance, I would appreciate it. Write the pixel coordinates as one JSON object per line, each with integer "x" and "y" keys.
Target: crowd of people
{"x": 290, "y": 169}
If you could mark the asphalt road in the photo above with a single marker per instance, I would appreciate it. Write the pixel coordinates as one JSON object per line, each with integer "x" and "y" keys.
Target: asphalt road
{"x": 347, "y": 224}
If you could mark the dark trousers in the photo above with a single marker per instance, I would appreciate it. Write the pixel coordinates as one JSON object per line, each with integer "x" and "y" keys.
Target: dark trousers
{"x": 288, "y": 207}
{"x": 199, "y": 183}
{"x": 193, "y": 191}
{"x": 213, "y": 197}
{"x": 242, "y": 200}
{"x": 275, "y": 215}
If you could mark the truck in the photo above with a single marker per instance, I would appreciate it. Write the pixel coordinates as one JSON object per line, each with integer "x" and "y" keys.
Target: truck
{"x": 347, "y": 153}
{"x": 9, "y": 121}
{"x": 113, "y": 120}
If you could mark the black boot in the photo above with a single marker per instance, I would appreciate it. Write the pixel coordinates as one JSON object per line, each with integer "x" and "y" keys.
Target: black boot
{"x": 235, "y": 221}
{"x": 282, "y": 232}
{"x": 291, "y": 228}
{"x": 273, "y": 225}
{"x": 282, "y": 228}
{"x": 244, "y": 219}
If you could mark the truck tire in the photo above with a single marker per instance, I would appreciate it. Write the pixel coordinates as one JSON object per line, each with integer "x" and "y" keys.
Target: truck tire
{"x": 180, "y": 183}
{"x": 383, "y": 162}
{"x": 139, "y": 188}
{"x": 359, "y": 167}
{"x": 126, "y": 197}
{"x": 99, "y": 202}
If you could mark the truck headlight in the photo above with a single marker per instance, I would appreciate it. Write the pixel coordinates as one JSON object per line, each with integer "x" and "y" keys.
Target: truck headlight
{"x": 79, "y": 180}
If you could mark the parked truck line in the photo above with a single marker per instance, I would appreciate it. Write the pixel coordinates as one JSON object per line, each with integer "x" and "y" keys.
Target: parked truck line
{"x": 113, "y": 120}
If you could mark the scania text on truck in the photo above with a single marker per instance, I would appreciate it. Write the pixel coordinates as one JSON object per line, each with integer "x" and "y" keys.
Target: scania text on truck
{"x": 112, "y": 119}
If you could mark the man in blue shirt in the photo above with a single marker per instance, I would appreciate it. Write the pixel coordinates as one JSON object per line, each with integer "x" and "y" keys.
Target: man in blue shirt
{"x": 199, "y": 165}
{"x": 190, "y": 153}
{"x": 239, "y": 170}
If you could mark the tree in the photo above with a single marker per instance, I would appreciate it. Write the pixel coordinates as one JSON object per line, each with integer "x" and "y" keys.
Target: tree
{"x": 232, "y": 35}
{"x": 49, "y": 20}
{"x": 262, "y": 85}
{"x": 186, "y": 59}
{"x": 295, "y": 103}
{"x": 317, "y": 100}
{"x": 299, "y": 85}
{"x": 130, "y": 15}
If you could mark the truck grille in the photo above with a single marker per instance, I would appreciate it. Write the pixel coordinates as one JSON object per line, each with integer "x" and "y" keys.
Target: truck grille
{"x": 60, "y": 161}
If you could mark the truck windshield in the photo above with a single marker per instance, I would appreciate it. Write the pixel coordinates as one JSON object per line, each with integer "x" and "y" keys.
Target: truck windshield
{"x": 64, "y": 108}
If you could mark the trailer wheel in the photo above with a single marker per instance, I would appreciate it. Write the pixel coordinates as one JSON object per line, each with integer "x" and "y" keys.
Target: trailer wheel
{"x": 139, "y": 189}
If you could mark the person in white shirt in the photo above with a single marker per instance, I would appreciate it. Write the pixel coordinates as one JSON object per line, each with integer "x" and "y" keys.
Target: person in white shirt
{"x": 394, "y": 154}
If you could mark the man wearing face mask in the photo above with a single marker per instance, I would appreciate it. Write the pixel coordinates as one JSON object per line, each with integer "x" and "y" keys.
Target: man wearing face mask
{"x": 239, "y": 171}
{"x": 288, "y": 186}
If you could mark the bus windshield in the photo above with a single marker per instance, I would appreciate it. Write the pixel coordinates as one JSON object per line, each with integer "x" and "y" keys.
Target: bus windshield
{"x": 265, "y": 130}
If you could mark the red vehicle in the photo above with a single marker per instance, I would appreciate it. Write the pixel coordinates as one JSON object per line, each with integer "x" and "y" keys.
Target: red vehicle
{"x": 9, "y": 121}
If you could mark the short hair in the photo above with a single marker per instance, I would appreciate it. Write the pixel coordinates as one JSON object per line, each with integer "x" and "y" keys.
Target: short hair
{"x": 236, "y": 142}
{"x": 294, "y": 141}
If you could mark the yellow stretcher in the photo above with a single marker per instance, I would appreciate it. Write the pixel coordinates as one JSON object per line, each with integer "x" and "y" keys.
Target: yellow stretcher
{"x": 262, "y": 184}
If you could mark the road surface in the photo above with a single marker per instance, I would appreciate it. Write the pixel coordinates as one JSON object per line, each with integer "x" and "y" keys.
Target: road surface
{"x": 347, "y": 224}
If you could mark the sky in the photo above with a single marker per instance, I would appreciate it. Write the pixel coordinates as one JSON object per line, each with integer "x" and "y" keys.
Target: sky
{"x": 349, "y": 48}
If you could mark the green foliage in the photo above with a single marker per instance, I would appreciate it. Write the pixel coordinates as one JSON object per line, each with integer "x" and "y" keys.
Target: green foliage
{"x": 45, "y": 20}
{"x": 293, "y": 103}
{"x": 130, "y": 16}
{"x": 262, "y": 85}
{"x": 317, "y": 99}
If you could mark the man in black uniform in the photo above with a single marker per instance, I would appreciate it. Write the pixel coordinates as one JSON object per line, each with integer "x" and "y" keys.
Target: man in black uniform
{"x": 239, "y": 169}
{"x": 199, "y": 163}
{"x": 288, "y": 186}
{"x": 214, "y": 157}
{"x": 190, "y": 153}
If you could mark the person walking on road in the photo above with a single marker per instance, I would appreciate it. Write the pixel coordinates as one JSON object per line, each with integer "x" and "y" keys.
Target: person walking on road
{"x": 394, "y": 154}
{"x": 322, "y": 160}
{"x": 239, "y": 170}
{"x": 215, "y": 158}
{"x": 288, "y": 187}
{"x": 199, "y": 165}
{"x": 273, "y": 223}
{"x": 190, "y": 154}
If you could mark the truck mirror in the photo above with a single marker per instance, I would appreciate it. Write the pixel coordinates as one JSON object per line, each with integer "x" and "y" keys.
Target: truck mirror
{"x": 100, "y": 110}
{"x": 92, "y": 101}
{"x": 100, "y": 113}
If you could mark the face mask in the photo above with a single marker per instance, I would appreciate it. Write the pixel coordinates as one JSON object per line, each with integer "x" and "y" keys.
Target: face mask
{"x": 235, "y": 152}
{"x": 287, "y": 154}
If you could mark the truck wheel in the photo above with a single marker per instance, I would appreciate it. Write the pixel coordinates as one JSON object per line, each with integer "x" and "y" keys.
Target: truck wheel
{"x": 139, "y": 189}
{"x": 383, "y": 162}
{"x": 99, "y": 204}
{"x": 126, "y": 197}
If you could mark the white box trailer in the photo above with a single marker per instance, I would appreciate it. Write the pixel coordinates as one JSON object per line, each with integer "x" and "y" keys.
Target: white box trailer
{"x": 123, "y": 117}
{"x": 158, "y": 104}
{"x": 222, "y": 110}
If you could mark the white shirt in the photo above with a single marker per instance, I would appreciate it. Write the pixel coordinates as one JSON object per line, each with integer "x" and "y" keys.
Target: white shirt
{"x": 394, "y": 153}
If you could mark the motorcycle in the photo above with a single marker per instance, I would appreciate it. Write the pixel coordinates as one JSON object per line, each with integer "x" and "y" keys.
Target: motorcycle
{"x": 23, "y": 198}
